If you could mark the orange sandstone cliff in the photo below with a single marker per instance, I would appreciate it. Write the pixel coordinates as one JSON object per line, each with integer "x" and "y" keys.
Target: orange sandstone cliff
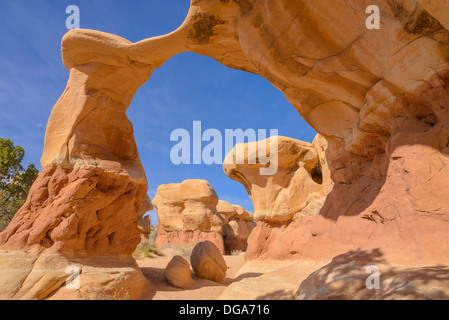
{"x": 378, "y": 97}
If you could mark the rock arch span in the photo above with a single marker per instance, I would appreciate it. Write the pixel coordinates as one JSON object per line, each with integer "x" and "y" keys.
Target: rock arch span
{"x": 379, "y": 97}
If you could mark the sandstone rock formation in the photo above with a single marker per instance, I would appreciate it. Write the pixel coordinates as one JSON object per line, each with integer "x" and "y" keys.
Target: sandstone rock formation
{"x": 144, "y": 222}
{"x": 187, "y": 213}
{"x": 177, "y": 273}
{"x": 378, "y": 97}
{"x": 207, "y": 262}
{"x": 225, "y": 211}
{"x": 189, "y": 238}
{"x": 187, "y": 206}
{"x": 363, "y": 275}
{"x": 190, "y": 212}
{"x": 82, "y": 210}
{"x": 242, "y": 214}
{"x": 237, "y": 227}
{"x": 236, "y": 234}
{"x": 297, "y": 187}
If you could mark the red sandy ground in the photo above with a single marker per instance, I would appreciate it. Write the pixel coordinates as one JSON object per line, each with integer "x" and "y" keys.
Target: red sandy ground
{"x": 153, "y": 268}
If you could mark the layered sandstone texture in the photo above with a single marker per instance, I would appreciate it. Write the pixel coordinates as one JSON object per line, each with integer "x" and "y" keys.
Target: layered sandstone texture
{"x": 207, "y": 262}
{"x": 177, "y": 273}
{"x": 295, "y": 187}
{"x": 82, "y": 210}
{"x": 378, "y": 97}
{"x": 190, "y": 212}
{"x": 81, "y": 213}
{"x": 187, "y": 213}
{"x": 237, "y": 226}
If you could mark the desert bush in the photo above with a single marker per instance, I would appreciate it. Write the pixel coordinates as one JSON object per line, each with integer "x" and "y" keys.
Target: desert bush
{"x": 184, "y": 249}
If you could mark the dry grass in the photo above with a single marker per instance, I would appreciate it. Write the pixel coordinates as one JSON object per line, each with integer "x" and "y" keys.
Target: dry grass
{"x": 147, "y": 248}
{"x": 184, "y": 249}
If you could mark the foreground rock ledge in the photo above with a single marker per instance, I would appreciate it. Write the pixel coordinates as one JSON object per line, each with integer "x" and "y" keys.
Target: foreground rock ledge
{"x": 379, "y": 98}
{"x": 83, "y": 208}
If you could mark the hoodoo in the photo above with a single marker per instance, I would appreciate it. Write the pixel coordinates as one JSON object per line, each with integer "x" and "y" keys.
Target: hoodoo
{"x": 378, "y": 97}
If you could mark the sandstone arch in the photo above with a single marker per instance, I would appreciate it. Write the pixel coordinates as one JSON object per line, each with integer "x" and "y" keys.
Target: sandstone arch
{"x": 378, "y": 97}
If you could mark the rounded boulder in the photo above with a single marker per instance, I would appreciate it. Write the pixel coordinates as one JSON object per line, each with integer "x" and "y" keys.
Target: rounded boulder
{"x": 207, "y": 262}
{"x": 177, "y": 273}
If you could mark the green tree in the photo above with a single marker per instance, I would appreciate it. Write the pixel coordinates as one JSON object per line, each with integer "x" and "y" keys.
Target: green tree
{"x": 15, "y": 181}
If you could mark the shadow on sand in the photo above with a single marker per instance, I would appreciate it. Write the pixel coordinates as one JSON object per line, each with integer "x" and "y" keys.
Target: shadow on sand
{"x": 349, "y": 276}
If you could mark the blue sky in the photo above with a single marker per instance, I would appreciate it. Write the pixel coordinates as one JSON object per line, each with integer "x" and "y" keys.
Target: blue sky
{"x": 187, "y": 88}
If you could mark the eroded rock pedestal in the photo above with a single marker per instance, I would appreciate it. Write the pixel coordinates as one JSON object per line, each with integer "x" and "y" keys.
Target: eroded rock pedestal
{"x": 82, "y": 210}
{"x": 378, "y": 97}
{"x": 297, "y": 188}
{"x": 187, "y": 214}
{"x": 190, "y": 212}
{"x": 237, "y": 226}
